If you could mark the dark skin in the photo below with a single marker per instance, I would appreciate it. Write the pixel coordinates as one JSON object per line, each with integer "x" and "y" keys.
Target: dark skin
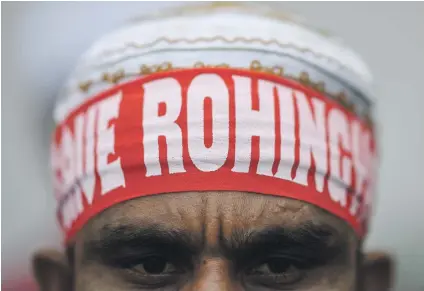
{"x": 208, "y": 242}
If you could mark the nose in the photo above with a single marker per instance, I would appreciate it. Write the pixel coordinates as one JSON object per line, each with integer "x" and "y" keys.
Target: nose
{"x": 214, "y": 274}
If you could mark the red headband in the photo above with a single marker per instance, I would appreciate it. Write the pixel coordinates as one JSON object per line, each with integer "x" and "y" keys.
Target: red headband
{"x": 212, "y": 129}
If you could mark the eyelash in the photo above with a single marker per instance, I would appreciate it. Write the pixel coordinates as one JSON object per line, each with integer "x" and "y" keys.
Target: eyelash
{"x": 128, "y": 262}
{"x": 298, "y": 258}
{"x": 294, "y": 270}
{"x": 128, "y": 266}
{"x": 298, "y": 263}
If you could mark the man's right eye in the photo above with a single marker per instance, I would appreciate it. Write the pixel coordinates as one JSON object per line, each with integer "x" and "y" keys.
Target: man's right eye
{"x": 154, "y": 265}
{"x": 153, "y": 271}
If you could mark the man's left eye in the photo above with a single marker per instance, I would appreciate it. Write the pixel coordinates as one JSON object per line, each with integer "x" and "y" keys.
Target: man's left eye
{"x": 275, "y": 271}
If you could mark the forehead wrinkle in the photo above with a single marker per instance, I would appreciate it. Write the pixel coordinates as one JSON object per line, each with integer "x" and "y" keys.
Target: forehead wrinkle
{"x": 296, "y": 212}
{"x": 288, "y": 213}
{"x": 259, "y": 209}
{"x": 198, "y": 211}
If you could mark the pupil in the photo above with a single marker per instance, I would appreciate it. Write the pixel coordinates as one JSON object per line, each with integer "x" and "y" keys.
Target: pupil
{"x": 278, "y": 266}
{"x": 154, "y": 265}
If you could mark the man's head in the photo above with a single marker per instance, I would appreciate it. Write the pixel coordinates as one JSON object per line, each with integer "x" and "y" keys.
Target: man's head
{"x": 242, "y": 174}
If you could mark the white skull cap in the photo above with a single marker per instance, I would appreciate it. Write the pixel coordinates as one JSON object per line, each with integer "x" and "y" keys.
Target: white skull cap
{"x": 214, "y": 33}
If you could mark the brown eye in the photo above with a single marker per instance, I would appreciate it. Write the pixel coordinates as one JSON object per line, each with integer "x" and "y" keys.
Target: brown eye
{"x": 272, "y": 266}
{"x": 153, "y": 271}
{"x": 278, "y": 266}
{"x": 275, "y": 272}
{"x": 155, "y": 266}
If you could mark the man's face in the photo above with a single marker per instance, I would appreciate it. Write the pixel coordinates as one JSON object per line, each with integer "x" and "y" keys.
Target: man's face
{"x": 214, "y": 241}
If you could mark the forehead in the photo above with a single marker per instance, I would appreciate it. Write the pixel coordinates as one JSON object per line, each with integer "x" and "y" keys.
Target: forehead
{"x": 207, "y": 212}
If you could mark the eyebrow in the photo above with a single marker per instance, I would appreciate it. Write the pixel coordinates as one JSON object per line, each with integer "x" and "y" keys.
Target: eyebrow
{"x": 128, "y": 239}
{"x": 314, "y": 243}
